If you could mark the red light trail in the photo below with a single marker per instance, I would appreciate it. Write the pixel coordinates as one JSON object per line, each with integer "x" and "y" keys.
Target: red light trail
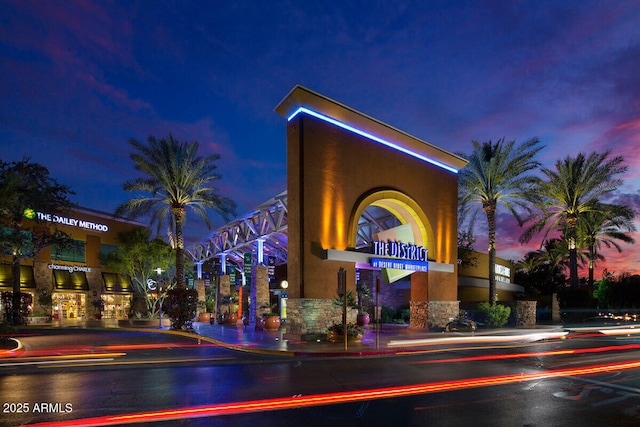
{"x": 331, "y": 398}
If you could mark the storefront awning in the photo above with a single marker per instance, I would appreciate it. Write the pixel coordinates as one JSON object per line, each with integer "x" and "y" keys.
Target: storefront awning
{"x": 66, "y": 281}
{"x": 117, "y": 283}
{"x": 26, "y": 277}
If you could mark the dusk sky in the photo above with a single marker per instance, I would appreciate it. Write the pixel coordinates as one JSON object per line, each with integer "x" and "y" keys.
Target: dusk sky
{"x": 79, "y": 79}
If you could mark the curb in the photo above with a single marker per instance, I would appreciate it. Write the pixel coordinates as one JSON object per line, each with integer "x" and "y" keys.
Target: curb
{"x": 10, "y": 351}
{"x": 198, "y": 337}
{"x": 283, "y": 353}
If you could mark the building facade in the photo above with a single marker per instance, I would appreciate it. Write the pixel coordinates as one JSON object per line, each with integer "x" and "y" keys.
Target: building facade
{"x": 72, "y": 284}
{"x": 473, "y": 280}
{"x": 366, "y": 204}
{"x": 342, "y": 164}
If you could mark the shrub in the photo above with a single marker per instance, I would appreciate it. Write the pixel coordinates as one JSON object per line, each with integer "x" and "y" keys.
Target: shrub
{"x": 6, "y": 331}
{"x": 493, "y": 316}
{"x": 7, "y": 302}
{"x": 387, "y": 314}
{"x": 353, "y": 330}
{"x": 403, "y": 315}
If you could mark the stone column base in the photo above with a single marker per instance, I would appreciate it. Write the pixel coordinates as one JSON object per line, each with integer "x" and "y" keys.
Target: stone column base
{"x": 418, "y": 314}
{"x": 442, "y": 312}
{"x": 309, "y": 318}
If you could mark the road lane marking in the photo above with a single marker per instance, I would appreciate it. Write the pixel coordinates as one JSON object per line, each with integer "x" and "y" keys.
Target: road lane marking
{"x": 45, "y": 362}
{"x": 137, "y": 362}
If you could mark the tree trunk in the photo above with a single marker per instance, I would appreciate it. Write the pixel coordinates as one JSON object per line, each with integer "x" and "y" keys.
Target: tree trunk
{"x": 573, "y": 252}
{"x": 16, "y": 300}
{"x": 178, "y": 214}
{"x": 490, "y": 211}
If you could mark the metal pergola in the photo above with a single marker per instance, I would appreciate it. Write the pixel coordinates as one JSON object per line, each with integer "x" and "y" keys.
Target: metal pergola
{"x": 268, "y": 224}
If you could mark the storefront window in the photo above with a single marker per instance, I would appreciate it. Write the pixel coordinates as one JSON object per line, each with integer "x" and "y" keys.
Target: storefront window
{"x": 116, "y": 306}
{"x": 69, "y": 306}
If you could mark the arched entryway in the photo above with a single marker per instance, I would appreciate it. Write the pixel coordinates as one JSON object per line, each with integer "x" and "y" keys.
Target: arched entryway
{"x": 401, "y": 206}
{"x": 388, "y": 215}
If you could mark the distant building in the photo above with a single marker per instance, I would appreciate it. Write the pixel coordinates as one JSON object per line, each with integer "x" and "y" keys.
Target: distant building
{"x": 73, "y": 284}
{"x": 473, "y": 282}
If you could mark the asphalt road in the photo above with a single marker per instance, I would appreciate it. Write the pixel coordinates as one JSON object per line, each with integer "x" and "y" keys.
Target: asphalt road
{"x": 118, "y": 377}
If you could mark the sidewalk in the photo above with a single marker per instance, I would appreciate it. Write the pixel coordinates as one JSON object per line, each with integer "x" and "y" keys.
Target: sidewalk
{"x": 391, "y": 339}
{"x": 388, "y": 340}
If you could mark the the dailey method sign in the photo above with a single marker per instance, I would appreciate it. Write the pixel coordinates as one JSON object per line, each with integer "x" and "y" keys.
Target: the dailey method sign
{"x": 72, "y": 222}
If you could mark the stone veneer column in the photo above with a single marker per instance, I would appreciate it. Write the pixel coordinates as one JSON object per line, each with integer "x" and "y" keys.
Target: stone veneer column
{"x": 442, "y": 312}
{"x": 202, "y": 292}
{"x": 260, "y": 298}
{"x": 308, "y": 318}
{"x": 94, "y": 279}
{"x": 418, "y": 314}
{"x": 224, "y": 291}
{"x": 526, "y": 313}
{"x": 555, "y": 308}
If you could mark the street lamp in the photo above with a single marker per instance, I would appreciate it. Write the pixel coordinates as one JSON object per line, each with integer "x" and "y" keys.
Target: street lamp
{"x": 153, "y": 285}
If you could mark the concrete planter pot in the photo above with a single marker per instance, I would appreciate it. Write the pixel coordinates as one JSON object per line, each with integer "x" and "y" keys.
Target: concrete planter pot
{"x": 363, "y": 319}
{"x": 204, "y": 317}
{"x": 229, "y": 318}
{"x": 272, "y": 323}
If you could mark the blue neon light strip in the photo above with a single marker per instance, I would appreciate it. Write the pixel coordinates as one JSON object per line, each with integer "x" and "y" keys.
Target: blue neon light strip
{"x": 371, "y": 137}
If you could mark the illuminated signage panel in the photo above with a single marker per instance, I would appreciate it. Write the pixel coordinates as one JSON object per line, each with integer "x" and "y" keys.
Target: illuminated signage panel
{"x": 71, "y": 222}
{"x": 400, "y": 264}
{"x": 400, "y": 250}
{"x": 70, "y": 268}
{"x": 503, "y": 273}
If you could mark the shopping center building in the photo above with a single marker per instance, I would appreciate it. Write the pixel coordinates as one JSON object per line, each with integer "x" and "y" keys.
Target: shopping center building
{"x": 72, "y": 284}
{"x": 366, "y": 202}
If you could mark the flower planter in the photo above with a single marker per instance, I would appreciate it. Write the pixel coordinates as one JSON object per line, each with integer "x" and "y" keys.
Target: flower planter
{"x": 271, "y": 323}
{"x": 229, "y": 318}
{"x": 363, "y": 319}
{"x": 335, "y": 337}
{"x": 204, "y": 317}
{"x": 38, "y": 320}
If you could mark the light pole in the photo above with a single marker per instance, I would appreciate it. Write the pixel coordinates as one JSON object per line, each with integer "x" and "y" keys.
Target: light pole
{"x": 160, "y": 298}
{"x": 153, "y": 286}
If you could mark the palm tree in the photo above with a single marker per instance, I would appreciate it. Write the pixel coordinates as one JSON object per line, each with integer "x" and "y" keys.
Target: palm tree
{"x": 497, "y": 173}
{"x": 529, "y": 263}
{"x": 603, "y": 227}
{"x": 176, "y": 178}
{"x": 542, "y": 271}
{"x": 574, "y": 188}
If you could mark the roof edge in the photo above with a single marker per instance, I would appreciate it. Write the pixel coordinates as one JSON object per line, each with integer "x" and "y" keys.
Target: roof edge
{"x": 301, "y": 96}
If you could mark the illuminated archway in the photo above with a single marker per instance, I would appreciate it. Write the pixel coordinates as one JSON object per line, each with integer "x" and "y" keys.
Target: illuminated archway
{"x": 403, "y": 207}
